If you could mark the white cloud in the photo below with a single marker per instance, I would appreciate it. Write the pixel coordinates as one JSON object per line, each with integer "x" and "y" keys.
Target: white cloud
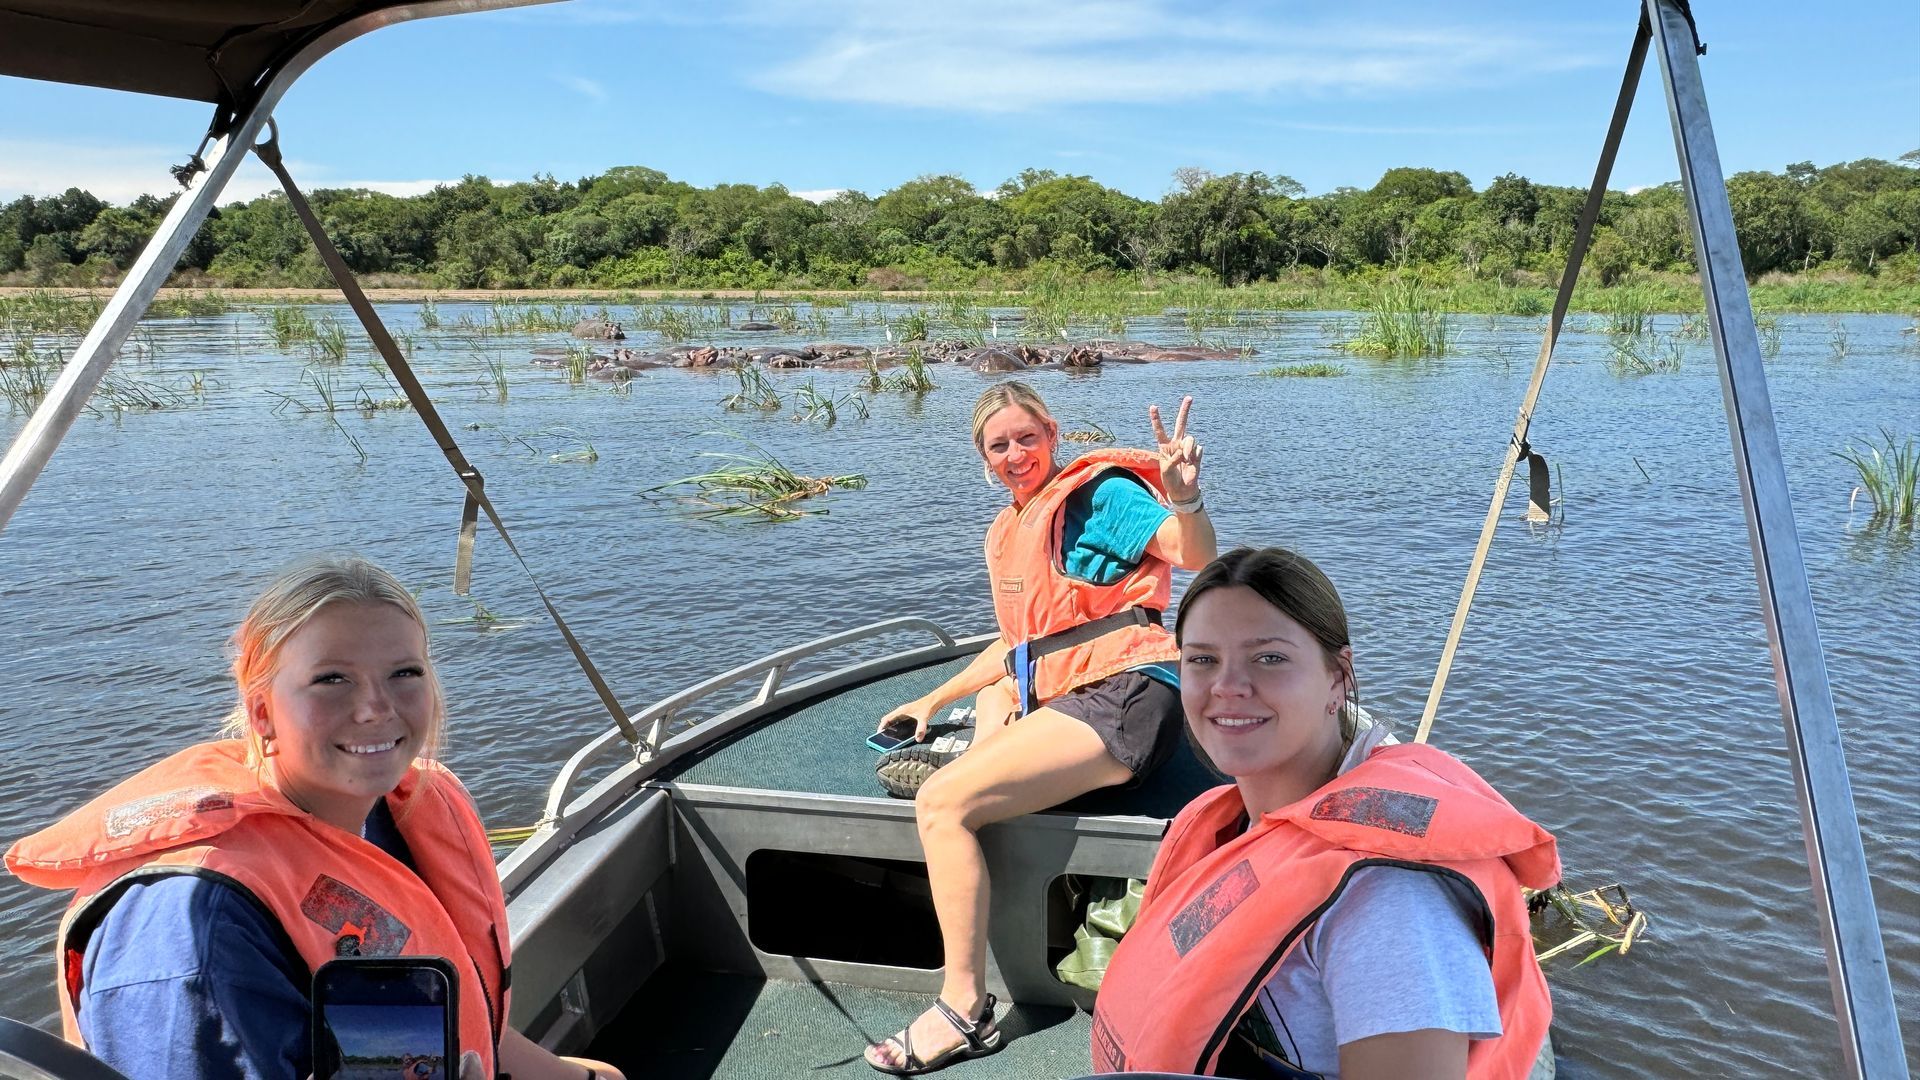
{"x": 819, "y": 196}
{"x": 119, "y": 174}
{"x": 1010, "y": 56}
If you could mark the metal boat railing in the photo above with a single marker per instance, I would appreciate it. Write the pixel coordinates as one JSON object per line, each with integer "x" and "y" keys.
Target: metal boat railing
{"x": 566, "y": 813}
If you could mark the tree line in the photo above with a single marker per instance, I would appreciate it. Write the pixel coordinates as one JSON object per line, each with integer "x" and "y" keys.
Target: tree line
{"x": 635, "y": 227}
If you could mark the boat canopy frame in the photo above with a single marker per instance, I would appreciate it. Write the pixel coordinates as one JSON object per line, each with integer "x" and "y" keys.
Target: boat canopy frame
{"x": 246, "y": 65}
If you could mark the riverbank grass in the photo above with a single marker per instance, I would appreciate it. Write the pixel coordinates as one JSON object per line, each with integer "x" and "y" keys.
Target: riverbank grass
{"x": 1890, "y": 475}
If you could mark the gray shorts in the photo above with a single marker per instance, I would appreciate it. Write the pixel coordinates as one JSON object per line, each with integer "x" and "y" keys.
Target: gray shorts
{"x": 1137, "y": 716}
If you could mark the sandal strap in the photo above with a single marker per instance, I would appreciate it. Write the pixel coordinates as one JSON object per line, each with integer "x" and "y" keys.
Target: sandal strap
{"x": 969, "y": 1029}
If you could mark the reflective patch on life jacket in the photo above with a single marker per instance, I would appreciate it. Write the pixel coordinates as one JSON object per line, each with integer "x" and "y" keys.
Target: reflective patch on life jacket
{"x": 1013, "y": 584}
{"x": 1378, "y": 808}
{"x": 128, "y": 818}
{"x": 1210, "y": 908}
{"x": 1108, "y": 1055}
{"x": 340, "y": 908}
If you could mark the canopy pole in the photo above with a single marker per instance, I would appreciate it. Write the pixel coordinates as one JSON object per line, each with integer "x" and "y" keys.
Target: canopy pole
{"x": 1856, "y": 963}
{"x": 33, "y": 447}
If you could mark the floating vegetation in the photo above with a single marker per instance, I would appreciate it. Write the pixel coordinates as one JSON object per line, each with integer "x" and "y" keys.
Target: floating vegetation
{"x": 754, "y": 485}
{"x": 1692, "y": 328}
{"x": 1634, "y": 355}
{"x": 755, "y": 392}
{"x": 429, "y": 314}
{"x": 675, "y": 323}
{"x": 578, "y": 357}
{"x": 1319, "y": 369}
{"x": 485, "y": 620}
{"x": 812, "y": 405}
{"x": 1093, "y": 434}
{"x": 1837, "y": 341}
{"x": 1889, "y": 474}
{"x": 560, "y": 445}
{"x": 1564, "y": 921}
{"x": 1400, "y": 322}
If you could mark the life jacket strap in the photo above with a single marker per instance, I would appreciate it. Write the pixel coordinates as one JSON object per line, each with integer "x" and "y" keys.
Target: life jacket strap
{"x": 1022, "y": 657}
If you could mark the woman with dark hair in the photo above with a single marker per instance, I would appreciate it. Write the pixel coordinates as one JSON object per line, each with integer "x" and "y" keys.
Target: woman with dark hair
{"x": 1079, "y": 693}
{"x": 1344, "y": 908}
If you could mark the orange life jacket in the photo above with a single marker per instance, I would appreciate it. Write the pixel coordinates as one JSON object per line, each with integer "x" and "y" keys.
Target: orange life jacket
{"x": 1034, "y": 597}
{"x": 206, "y": 812}
{"x": 1222, "y": 910}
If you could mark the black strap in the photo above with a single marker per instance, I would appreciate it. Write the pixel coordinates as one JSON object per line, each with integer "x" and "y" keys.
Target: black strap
{"x": 269, "y": 152}
{"x": 1087, "y": 631}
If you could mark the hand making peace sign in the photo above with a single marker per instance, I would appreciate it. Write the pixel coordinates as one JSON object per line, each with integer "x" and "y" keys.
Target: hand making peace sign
{"x": 1179, "y": 454}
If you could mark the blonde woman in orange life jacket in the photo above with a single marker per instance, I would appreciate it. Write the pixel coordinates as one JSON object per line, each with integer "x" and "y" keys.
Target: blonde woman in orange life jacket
{"x": 1348, "y": 907}
{"x": 211, "y": 884}
{"x": 1079, "y": 693}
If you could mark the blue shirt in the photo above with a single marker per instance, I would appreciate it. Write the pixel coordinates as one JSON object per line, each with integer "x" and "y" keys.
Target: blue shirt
{"x": 187, "y": 979}
{"x": 1104, "y": 532}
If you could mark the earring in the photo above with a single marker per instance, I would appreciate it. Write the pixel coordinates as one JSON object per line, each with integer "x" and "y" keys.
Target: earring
{"x": 267, "y": 749}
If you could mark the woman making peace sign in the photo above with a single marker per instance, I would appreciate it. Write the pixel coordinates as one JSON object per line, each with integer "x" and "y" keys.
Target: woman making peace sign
{"x": 1080, "y": 692}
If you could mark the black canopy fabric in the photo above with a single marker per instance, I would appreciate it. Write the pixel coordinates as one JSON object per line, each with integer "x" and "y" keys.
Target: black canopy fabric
{"x": 202, "y": 50}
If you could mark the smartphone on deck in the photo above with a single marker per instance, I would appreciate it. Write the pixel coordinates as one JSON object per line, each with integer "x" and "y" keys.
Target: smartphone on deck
{"x": 385, "y": 1016}
{"x": 897, "y": 733}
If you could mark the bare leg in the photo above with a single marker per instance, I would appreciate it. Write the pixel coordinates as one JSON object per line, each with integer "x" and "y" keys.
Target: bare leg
{"x": 993, "y": 709}
{"x": 1041, "y": 761}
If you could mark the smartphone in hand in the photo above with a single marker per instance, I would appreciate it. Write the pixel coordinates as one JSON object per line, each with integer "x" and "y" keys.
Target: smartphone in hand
{"x": 897, "y": 733}
{"x": 387, "y": 1016}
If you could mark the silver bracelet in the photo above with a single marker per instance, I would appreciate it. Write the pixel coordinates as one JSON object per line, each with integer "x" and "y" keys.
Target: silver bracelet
{"x": 1191, "y": 506}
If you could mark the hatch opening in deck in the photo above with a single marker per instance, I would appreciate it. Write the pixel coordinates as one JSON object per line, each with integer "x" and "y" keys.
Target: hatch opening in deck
{"x": 841, "y": 907}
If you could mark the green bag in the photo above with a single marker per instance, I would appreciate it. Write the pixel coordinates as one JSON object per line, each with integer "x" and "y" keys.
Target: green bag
{"x": 1111, "y": 909}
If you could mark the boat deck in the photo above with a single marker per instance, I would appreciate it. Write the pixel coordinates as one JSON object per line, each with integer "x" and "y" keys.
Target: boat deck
{"x": 696, "y": 1025}
{"x": 819, "y": 747}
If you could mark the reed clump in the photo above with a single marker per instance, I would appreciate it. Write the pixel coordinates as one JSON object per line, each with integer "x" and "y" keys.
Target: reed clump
{"x": 1400, "y": 322}
{"x": 811, "y": 405}
{"x": 1318, "y": 369}
{"x": 1890, "y": 476}
{"x": 1092, "y": 433}
{"x": 755, "y": 393}
{"x": 753, "y": 485}
{"x": 1653, "y": 355}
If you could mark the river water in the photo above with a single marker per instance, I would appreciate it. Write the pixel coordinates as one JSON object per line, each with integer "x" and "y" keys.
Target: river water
{"x": 1614, "y": 681}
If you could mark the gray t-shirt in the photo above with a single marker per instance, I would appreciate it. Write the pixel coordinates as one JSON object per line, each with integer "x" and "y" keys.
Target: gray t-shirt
{"x": 1398, "y": 951}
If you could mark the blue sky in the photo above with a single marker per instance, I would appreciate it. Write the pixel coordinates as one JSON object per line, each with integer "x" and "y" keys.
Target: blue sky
{"x": 868, "y": 93}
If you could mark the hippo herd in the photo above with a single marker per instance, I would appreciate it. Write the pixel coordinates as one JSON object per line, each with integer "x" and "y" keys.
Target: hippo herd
{"x": 621, "y": 362}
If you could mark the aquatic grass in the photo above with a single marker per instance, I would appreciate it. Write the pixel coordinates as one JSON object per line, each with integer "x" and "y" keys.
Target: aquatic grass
{"x": 485, "y": 620}
{"x": 329, "y": 342}
{"x": 1634, "y": 355}
{"x": 755, "y": 393}
{"x": 1890, "y": 475}
{"x": 1318, "y": 369}
{"x": 751, "y": 485}
{"x": 1768, "y": 329}
{"x": 909, "y": 327}
{"x": 189, "y": 305}
{"x": 429, "y": 314}
{"x": 290, "y": 326}
{"x": 1627, "y": 310}
{"x": 1837, "y": 341}
{"x": 25, "y": 380}
{"x": 578, "y": 357}
{"x": 1400, "y": 322}
{"x": 560, "y": 446}
{"x": 1093, "y": 433}
{"x": 495, "y": 366}
{"x": 811, "y": 405}
{"x": 48, "y": 311}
